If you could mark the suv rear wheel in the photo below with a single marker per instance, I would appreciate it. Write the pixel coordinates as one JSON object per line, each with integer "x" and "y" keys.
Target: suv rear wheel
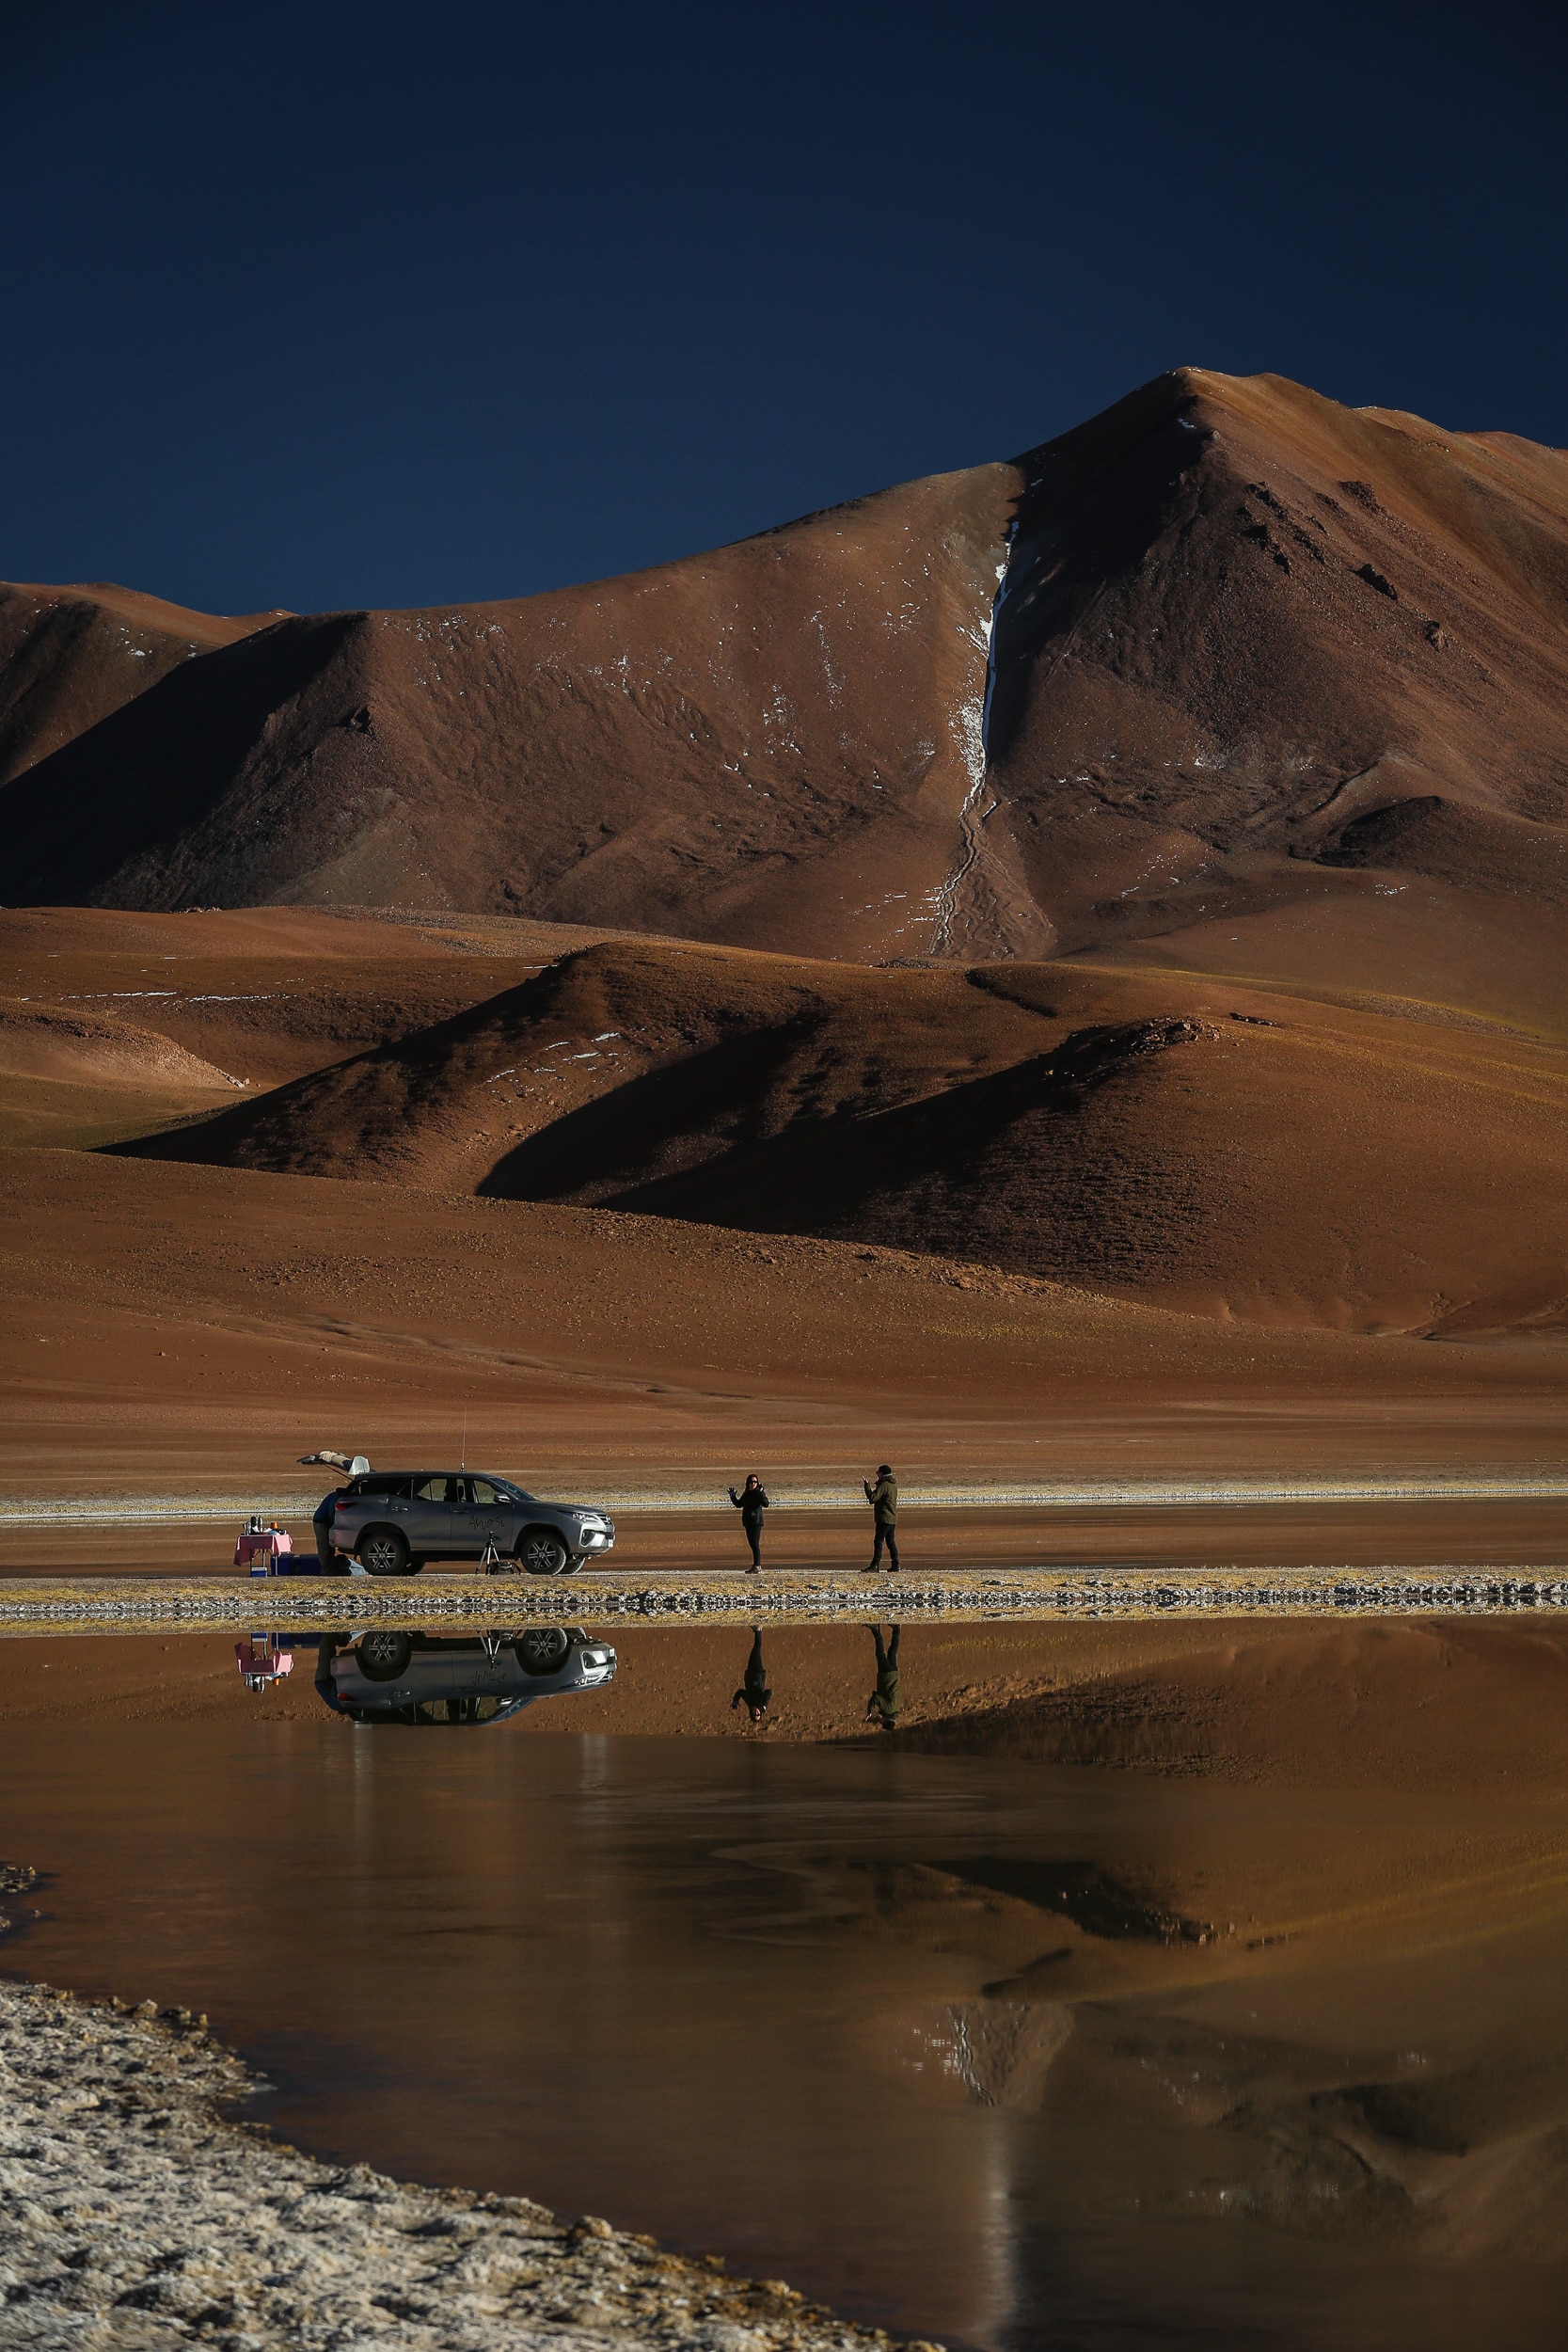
{"x": 384, "y": 1654}
{"x": 541, "y": 1552}
{"x": 383, "y": 1553}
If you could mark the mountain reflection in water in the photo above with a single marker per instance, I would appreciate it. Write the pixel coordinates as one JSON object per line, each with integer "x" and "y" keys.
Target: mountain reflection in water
{"x": 1000, "y": 2052}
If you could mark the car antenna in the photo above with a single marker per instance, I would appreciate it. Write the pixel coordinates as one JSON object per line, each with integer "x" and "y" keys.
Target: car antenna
{"x": 464, "y": 1463}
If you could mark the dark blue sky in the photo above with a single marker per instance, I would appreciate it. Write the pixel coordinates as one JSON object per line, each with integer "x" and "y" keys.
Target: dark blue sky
{"x": 332, "y": 304}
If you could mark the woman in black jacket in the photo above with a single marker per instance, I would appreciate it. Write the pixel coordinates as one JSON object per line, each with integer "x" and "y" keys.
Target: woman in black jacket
{"x": 752, "y": 1501}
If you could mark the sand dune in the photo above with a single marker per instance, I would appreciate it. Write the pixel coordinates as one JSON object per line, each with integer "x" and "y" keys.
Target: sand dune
{"x": 78, "y": 1077}
{"x": 1176, "y": 1137}
{"x": 1247, "y": 640}
{"x": 75, "y": 1044}
{"x": 269, "y": 993}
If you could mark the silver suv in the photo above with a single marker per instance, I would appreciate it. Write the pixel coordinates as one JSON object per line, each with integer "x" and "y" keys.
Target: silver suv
{"x": 393, "y": 1521}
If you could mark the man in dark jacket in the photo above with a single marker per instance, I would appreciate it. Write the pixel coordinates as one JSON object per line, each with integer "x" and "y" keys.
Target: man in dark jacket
{"x": 752, "y": 1501}
{"x": 883, "y": 1498}
{"x": 886, "y": 1701}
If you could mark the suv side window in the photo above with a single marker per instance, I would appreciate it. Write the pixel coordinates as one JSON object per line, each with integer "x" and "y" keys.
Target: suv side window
{"x": 382, "y": 1483}
{"x": 438, "y": 1489}
{"x": 483, "y": 1493}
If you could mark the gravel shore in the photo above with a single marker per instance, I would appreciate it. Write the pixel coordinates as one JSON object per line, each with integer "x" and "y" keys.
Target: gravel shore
{"x": 951, "y": 1597}
{"x": 135, "y": 2215}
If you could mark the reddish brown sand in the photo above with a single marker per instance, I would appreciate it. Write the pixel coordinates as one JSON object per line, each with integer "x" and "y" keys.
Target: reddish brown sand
{"x": 177, "y": 1329}
{"x": 1477, "y": 1532}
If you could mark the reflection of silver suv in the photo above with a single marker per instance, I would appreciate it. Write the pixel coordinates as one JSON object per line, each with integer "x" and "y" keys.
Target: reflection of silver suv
{"x": 393, "y": 1521}
{"x": 387, "y": 1676}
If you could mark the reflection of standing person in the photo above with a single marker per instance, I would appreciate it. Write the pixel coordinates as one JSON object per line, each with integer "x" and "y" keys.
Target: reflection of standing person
{"x": 753, "y": 1694}
{"x": 886, "y": 1700}
{"x": 883, "y": 1498}
{"x": 752, "y": 1501}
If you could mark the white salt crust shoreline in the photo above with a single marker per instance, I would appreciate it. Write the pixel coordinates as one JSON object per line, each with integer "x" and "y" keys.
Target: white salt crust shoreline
{"x": 135, "y": 2217}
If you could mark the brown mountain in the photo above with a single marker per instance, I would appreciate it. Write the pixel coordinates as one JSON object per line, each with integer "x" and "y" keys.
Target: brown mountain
{"x": 1249, "y": 645}
{"x": 1246, "y": 630}
{"x": 70, "y": 656}
{"x": 777, "y": 735}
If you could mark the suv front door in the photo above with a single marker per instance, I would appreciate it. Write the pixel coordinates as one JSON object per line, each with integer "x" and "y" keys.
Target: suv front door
{"x": 484, "y": 1516}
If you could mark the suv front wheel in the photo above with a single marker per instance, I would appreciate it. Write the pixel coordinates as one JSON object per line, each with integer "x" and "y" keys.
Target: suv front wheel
{"x": 541, "y": 1552}
{"x": 383, "y": 1553}
{"x": 543, "y": 1649}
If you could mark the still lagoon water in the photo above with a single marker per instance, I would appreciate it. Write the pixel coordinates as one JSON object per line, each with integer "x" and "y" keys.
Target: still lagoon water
{"x": 995, "y": 2053}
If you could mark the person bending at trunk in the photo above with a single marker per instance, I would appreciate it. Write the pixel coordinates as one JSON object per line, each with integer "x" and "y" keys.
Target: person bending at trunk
{"x": 886, "y": 1701}
{"x": 883, "y": 1498}
{"x": 752, "y": 1501}
{"x": 321, "y": 1518}
{"x": 320, "y": 1521}
{"x": 753, "y": 1694}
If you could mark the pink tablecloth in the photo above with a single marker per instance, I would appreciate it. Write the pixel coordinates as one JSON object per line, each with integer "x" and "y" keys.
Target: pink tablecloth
{"x": 272, "y": 1543}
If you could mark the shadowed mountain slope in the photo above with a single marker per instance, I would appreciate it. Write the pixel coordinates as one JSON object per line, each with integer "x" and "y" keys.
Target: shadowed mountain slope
{"x": 70, "y": 656}
{"x": 774, "y": 740}
{"x": 1247, "y": 639}
{"x": 1176, "y": 1137}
